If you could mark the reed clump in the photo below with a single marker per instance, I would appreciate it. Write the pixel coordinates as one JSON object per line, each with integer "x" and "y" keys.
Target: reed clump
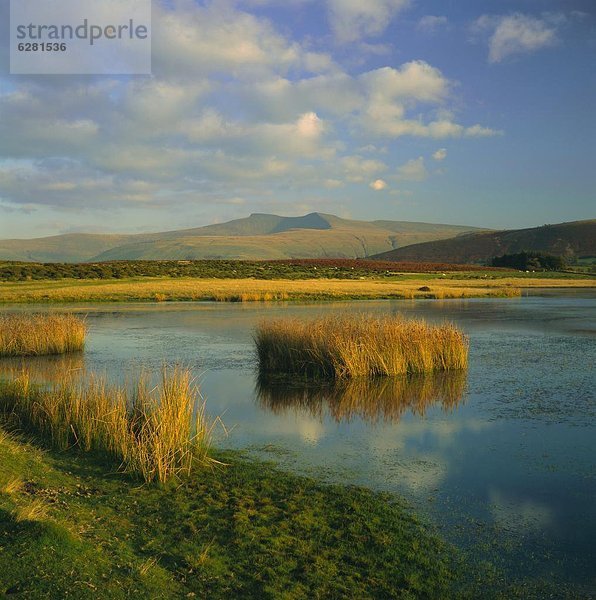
{"x": 40, "y": 334}
{"x": 345, "y": 346}
{"x": 158, "y": 433}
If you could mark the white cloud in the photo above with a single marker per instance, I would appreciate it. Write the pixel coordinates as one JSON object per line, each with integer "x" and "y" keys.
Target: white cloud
{"x": 352, "y": 20}
{"x": 431, "y": 23}
{"x": 357, "y": 169}
{"x": 378, "y": 185}
{"x": 440, "y": 154}
{"x": 413, "y": 170}
{"x": 516, "y": 34}
{"x": 253, "y": 117}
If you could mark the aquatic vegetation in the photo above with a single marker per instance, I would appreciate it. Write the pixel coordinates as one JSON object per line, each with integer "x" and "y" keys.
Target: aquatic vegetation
{"x": 37, "y": 334}
{"x": 358, "y": 345}
{"x": 372, "y": 399}
{"x": 157, "y": 433}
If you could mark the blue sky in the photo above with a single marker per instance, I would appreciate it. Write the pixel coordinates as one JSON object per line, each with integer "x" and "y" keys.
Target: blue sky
{"x": 469, "y": 112}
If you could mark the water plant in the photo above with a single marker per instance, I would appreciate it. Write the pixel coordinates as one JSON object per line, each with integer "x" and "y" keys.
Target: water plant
{"x": 40, "y": 334}
{"x": 157, "y": 433}
{"x": 358, "y": 345}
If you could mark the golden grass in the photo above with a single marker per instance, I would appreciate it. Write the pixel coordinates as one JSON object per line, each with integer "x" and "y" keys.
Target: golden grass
{"x": 372, "y": 399}
{"x": 12, "y": 486}
{"x": 157, "y": 433}
{"x": 358, "y": 345}
{"x": 36, "y": 510}
{"x": 37, "y": 334}
{"x": 251, "y": 290}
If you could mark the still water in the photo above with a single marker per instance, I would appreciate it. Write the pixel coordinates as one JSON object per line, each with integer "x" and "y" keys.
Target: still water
{"x": 500, "y": 459}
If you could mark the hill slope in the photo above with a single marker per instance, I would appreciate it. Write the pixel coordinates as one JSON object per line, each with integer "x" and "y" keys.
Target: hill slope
{"x": 576, "y": 239}
{"x": 259, "y": 236}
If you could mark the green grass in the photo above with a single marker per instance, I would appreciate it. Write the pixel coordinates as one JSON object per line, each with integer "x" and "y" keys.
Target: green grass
{"x": 70, "y": 527}
{"x": 242, "y": 531}
{"x": 345, "y": 346}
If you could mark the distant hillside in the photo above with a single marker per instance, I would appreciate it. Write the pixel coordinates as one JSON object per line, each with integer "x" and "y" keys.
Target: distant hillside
{"x": 571, "y": 240}
{"x": 259, "y": 236}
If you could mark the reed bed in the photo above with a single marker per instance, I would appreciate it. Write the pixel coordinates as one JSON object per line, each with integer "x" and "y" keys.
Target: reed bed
{"x": 157, "y": 433}
{"x": 40, "y": 334}
{"x": 371, "y": 399}
{"x": 346, "y": 346}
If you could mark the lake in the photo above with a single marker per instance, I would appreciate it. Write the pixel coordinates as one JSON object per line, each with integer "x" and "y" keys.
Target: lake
{"x": 500, "y": 459}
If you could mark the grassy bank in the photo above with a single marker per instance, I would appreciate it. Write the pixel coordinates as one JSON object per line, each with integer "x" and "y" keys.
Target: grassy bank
{"x": 358, "y": 345}
{"x": 157, "y": 433}
{"x": 36, "y": 335}
{"x": 69, "y": 529}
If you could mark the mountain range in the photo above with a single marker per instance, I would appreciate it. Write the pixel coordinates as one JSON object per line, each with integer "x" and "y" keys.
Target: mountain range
{"x": 259, "y": 236}
{"x": 316, "y": 235}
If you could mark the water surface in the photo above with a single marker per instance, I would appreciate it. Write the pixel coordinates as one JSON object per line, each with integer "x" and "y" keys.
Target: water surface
{"x": 501, "y": 459}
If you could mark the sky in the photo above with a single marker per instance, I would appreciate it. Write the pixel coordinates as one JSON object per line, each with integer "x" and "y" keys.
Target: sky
{"x": 474, "y": 112}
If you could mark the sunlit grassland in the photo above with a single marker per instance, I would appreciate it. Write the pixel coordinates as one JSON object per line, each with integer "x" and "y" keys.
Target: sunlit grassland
{"x": 345, "y": 346}
{"x": 70, "y": 528}
{"x": 247, "y": 290}
{"x": 41, "y": 334}
{"x": 156, "y": 433}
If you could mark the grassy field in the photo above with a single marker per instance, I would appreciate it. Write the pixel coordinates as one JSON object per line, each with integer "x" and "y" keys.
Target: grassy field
{"x": 244, "y": 290}
{"x": 69, "y": 528}
{"x": 345, "y": 346}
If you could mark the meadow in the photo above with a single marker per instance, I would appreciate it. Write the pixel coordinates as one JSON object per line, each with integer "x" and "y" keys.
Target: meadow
{"x": 250, "y": 290}
{"x": 71, "y": 527}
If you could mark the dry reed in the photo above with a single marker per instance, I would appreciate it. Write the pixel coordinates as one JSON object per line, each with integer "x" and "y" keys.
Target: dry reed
{"x": 358, "y": 345}
{"x": 157, "y": 433}
{"x": 37, "y": 334}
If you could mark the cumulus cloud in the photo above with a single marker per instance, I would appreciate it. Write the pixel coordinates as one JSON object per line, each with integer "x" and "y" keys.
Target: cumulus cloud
{"x": 413, "y": 170}
{"x": 247, "y": 117}
{"x": 516, "y": 34}
{"x": 432, "y": 23}
{"x": 378, "y": 185}
{"x": 440, "y": 154}
{"x": 352, "y": 20}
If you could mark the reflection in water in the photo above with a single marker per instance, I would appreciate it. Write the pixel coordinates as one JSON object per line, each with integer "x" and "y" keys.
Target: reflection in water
{"x": 371, "y": 399}
{"x": 44, "y": 369}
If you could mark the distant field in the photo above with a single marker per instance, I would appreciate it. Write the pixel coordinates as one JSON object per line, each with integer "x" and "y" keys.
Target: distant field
{"x": 246, "y": 290}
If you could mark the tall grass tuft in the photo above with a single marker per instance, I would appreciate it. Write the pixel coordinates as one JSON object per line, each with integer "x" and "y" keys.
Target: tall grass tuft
{"x": 358, "y": 345}
{"x": 158, "y": 433}
{"x": 37, "y": 334}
